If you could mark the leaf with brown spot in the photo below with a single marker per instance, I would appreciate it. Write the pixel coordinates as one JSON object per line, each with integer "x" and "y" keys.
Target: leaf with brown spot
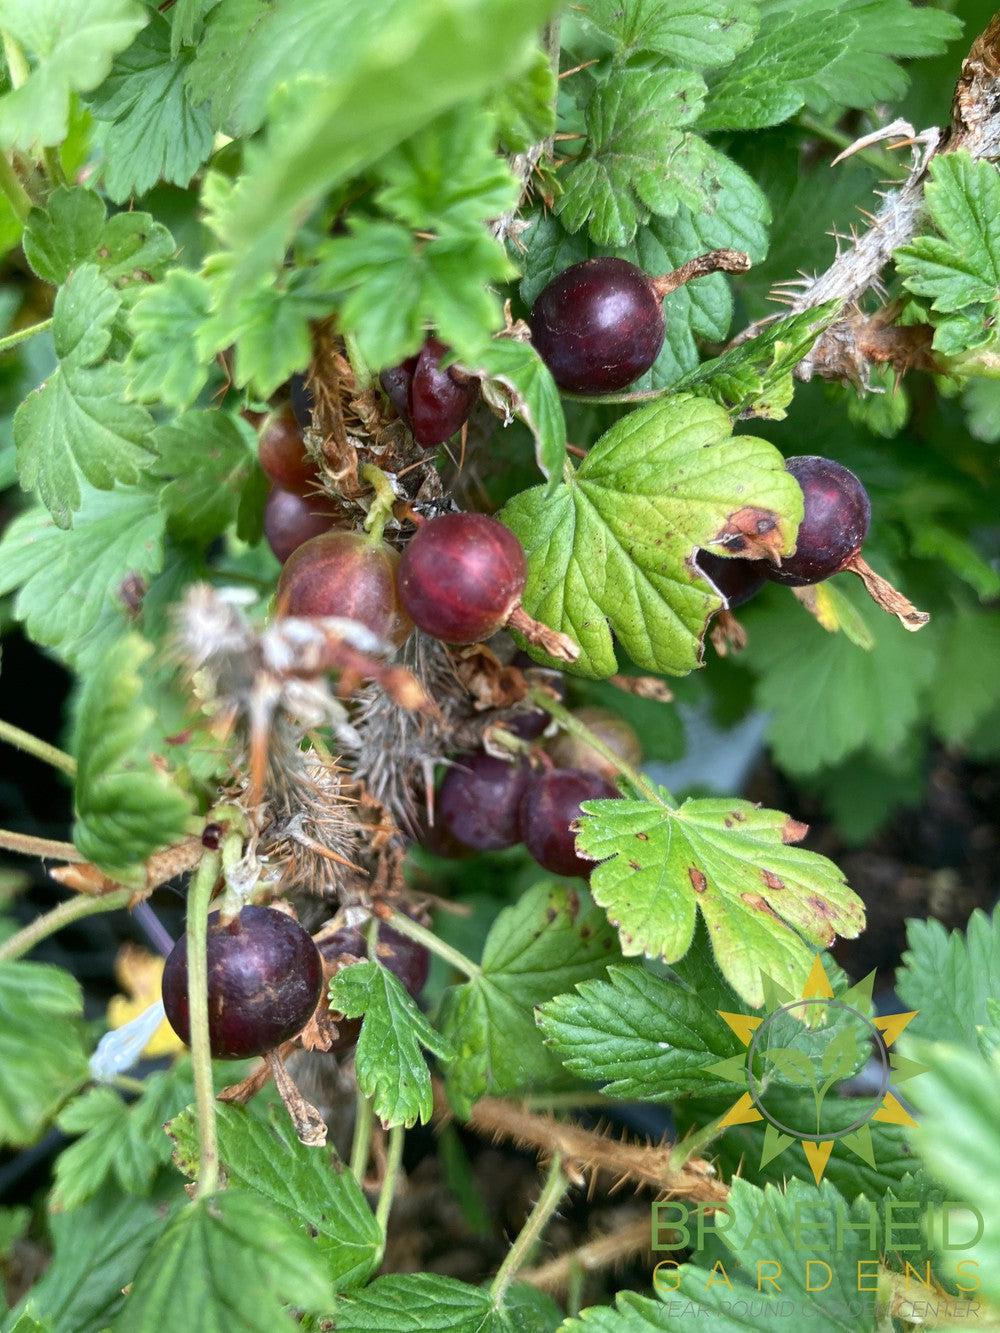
{"x": 767, "y": 905}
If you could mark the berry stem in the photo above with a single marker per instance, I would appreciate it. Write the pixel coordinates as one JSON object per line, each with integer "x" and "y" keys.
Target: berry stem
{"x": 28, "y": 845}
{"x": 569, "y": 722}
{"x": 884, "y": 595}
{"x": 555, "y": 1187}
{"x": 380, "y": 509}
{"x": 393, "y": 1160}
{"x": 74, "y": 909}
{"x": 715, "y": 261}
{"x": 405, "y": 925}
{"x": 551, "y": 641}
{"x": 19, "y": 336}
{"x": 23, "y": 740}
{"x": 199, "y": 898}
{"x": 361, "y": 1142}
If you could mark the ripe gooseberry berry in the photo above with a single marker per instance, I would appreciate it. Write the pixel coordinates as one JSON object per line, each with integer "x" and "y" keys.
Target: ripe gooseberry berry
{"x": 290, "y": 519}
{"x": 434, "y": 403}
{"x": 479, "y": 801}
{"x": 834, "y": 525}
{"x": 347, "y": 574}
{"x": 283, "y": 453}
{"x": 550, "y": 805}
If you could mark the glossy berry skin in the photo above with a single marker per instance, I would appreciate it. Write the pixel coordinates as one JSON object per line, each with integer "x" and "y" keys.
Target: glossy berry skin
{"x": 598, "y": 326}
{"x": 345, "y": 574}
{"x": 569, "y": 752}
{"x": 461, "y": 576}
{"x": 738, "y": 580}
{"x": 408, "y": 960}
{"x": 283, "y": 454}
{"x": 480, "y": 799}
{"x": 434, "y": 403}
{"x": 264, "y": 982}
{"x": 549, "y": 806}
{"x": 834, "y": 523}
{"x": 290, "y": 520}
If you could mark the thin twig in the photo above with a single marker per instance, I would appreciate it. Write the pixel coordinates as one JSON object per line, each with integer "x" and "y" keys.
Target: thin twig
{"x": 19, "y": 336}
{"x": 555, "y": 1187}
{"x": 74, "y": 909}
{"x": 602, "y": 1252}
{"x": 569, "y": 722}
{"x": 405, "y": 925}
{"x": 394, "y": 1158}
{"x": 23, "y": 740}
{"x": 199, "y": 897}
{"x": 361, "y": 1142}
{"x": 28, "y": 845}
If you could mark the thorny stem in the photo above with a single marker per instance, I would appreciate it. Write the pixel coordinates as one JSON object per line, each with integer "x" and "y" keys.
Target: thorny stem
{"x": 23, "y": 740}
{"x": 576, "y": 728}
{"x": 394, "y": 1157}
{"x": 19, "y": 336}
{"x": 361, "y": 1142}
{"x": 74, "y": 909}
{"x": 412, "y": 930}
{"x": 556, "y": 1185}
{"x": 28, "y": 845}
{"x": 199, "y": 897}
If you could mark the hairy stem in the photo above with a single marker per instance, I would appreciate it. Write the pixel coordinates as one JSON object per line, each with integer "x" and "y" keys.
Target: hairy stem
{"x": 19, "y": 336}
{"x": 199, "y": 897}
{"x": 75, "y": 909}
{"x": 556, "y": 1185}
{"x": 28, "y": 845}
{"x": 407, "y": 926}
{"x": 394, "y": 1158}
{"x": 23, "y": 740}
{"x": 576, "y": 728}
{"x": 361, "y": 1142}
{"x": 17, "y": 195}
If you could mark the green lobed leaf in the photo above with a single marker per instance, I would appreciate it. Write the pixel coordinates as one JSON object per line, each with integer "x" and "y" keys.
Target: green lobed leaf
{"x": 768, "y": 84}
{"x": 519, "y": 382}
{"x": 636, "y": 160}
{"x": 389, "y": 1064}
{"x": 971, "y": 693}
{"x": 763, "y": 900}
{"x": 959, "y": 1140}
{"x": 228, "y": 1261}
{"x": 73, "y": 229}
{"x": 827, "y": 697}
{"x": 164, "y": 362}
{"x": 550, "y": 939}
{"x": 120, "y": 1141}
{"x": 959, "y": 270}
{"x": 951, "y": 977}
{"x": 525, "y": 107}
{"x": 415, "y": 1302}
{"x": 209, "y": 456}
{"x": 79, "y": 422}
{"x": 126, "y": 807}
{"x": 610, "y": 549}
{"x": 309, "y": 1187}
{"x": 74, "y": 43}
{"x": 154, "y": 129}
{"x": 694, "y": 33}
{"x": 41, "y": 1047}
{"x": 639, "y": 1036}
{"x": 68, "y": 582}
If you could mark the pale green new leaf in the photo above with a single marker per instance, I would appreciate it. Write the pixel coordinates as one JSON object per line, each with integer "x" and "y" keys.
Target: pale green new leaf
{"x": 950, "y": 978}
{"x": 768, "y": 83}
{"x": 209, "y": 456}
{"x": 225, "y": 1262}
{"x": 549, "y": 940}
{"x": 518, "y": 381}
{"x": 416, "y": 1302}
{"x": 74, "y": 229}
{"x": 695, "y": 33}
{"x": 126, "y": 807}
{"x": 958, "y": 271}
{"x": 41, "y": 1047}
{"x": 74, "y": 43}
{"x": 525, "y": 107}
{"x": 610, "y": 549}
{"x": 639, "y": 1036}
{"x": 310, "y": 1187}
{"x": 68, "y": 582}
{"x": 79, "y": 422}
{"x": 390, "y": 1067}
{"x": 768, "y": 904}
{"x": 166, "y": 320}
{"x": 636, "y": 160}
{"x": 154, "y": 129}
{"x": 959, "y": 1140}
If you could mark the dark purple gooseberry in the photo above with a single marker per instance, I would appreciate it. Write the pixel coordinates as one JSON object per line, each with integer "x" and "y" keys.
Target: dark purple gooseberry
{"x": 291, "y": 520}
{"x": 529, "y": 724}
{"x": 834, "y": 524}
{"x": 265, "y": 977}
{"x": 549, "y": 806}
{"x": 480, "y": 799}
{"x": 737, "y": 579}
{"x": 405, "y": 958}
{"x": 434, "y": 403}
{"x": 598, "y": 325}
{"x": 461, "y": 577}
